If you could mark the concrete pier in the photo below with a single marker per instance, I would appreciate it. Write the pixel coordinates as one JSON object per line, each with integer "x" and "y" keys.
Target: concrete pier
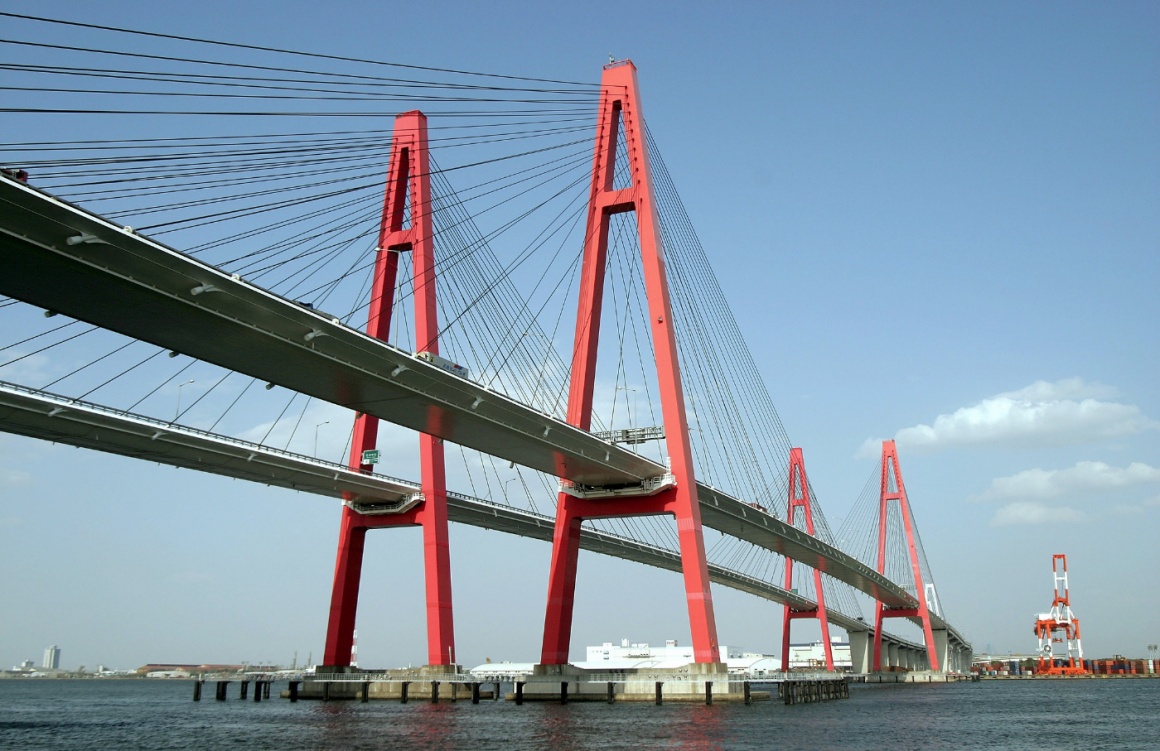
{"x": 561, "y": 684}
{"x": 699, "y": 682}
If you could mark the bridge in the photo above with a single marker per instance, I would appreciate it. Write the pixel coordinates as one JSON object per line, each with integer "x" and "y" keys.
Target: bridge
{"x": 73, "y": 262}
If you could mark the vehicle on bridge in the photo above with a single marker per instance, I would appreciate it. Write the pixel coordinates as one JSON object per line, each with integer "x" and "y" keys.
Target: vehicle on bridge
{"x": 443, "y": 363}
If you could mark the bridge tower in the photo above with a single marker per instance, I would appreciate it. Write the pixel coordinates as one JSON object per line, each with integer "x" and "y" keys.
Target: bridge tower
{"x": 799, "y": 497}
{"x": 408, "y": 178}
{"x": 620, "y": 116}
{"x": 892, "y": 489}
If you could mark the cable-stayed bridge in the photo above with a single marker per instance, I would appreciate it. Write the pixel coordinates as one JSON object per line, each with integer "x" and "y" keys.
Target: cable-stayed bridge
{"x": 70, "y": 261}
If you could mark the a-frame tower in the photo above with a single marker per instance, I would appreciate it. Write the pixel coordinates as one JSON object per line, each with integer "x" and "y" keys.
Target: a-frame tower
{"x": 620, "y": 117}
{"x": 408, "y": 184}
{"x": 799, "y": 498}
{"x": 892, "y": 490}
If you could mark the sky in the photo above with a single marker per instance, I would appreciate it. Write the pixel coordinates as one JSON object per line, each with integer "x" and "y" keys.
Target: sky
{"x": 935, "y": 222}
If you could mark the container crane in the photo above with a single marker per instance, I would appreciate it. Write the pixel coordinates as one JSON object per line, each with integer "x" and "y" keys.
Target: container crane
{"x": 1061, "y": 627}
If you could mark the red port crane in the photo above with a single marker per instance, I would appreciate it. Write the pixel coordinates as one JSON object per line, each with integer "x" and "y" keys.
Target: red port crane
{"x": 1060, "y": 627}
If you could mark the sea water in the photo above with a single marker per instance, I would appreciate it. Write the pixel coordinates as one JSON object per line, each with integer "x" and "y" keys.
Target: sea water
{"x": 1019, "y": 715}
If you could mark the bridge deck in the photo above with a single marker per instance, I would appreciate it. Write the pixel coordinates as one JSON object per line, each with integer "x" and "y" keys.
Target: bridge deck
{"x": 40, "y": 415}
{"x": 62, "y": 258}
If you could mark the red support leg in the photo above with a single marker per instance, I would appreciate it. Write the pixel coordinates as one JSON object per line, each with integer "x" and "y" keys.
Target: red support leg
{"x": 561, "y": 586}
{"x": 890, "y": 468}
{"x": 344, "y": 600}
{"x": 799, "y": 497}
{"x": 620, "y": 105}
{"x": 409, "y": 171}
{"x": 436, "y": 554}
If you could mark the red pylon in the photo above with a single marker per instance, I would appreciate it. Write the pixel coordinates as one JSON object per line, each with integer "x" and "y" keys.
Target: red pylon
{"x": 620, "y": 104}
{"x": 799, "y": 497}
{"x": 890, "y": 469}
{"x": 409, "y": 171}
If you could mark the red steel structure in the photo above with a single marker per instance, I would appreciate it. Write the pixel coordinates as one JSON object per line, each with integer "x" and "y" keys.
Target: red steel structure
{"x": 408, "y": 176}
{"x": 1059, "y": 620}
{"x": 891, "y": 470}
{"x": 799, "y": 497}
{"x": 620, "y": 106}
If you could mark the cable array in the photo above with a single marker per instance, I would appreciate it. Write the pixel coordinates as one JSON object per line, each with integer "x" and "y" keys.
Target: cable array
{"x": 247, "y": 179}
{"x": 859, "y": 537}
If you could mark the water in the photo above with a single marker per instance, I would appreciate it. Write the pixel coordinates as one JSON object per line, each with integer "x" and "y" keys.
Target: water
{"x": 996, "y": 715}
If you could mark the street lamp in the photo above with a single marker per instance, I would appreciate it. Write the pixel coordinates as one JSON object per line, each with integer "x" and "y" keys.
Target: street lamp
{"x": 316, "y": 427}
{"x": 179, "y": 387}
{"x": 630, "y": 407}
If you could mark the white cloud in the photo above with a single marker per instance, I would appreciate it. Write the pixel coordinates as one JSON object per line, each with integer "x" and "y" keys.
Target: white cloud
{"x": 26, "y": 368}
{"x": 330, "y": 425}
{"x": 1136, "y": 509}
{"x": 14, "y": 477}
{"x": 1068, "y": 388}
{"x": 1030, "y": 512}
{"x": 1043, "y": 414}
{"x": 1082, "y": 478}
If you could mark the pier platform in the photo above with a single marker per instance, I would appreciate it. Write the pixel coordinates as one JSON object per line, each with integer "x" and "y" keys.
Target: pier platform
{"x": 694, "y": 683}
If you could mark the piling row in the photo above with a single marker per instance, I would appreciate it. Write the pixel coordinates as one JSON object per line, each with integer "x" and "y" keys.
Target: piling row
{"x": 808, "y": 692}
{"x": 791, "y": 692}
{"x": 261, "y": 690}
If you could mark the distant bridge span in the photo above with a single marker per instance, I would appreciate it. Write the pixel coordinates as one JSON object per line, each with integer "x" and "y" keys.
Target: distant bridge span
{"x": 37, "y": 414}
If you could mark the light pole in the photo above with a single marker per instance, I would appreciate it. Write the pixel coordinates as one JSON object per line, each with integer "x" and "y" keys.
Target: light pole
{"x": 316, "y": 427}
{"x": 180, "y": 386}
{"x": 630, "y": 407}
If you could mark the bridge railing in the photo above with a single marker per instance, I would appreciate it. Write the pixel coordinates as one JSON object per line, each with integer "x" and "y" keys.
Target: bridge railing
{"x": 66, "y": 402}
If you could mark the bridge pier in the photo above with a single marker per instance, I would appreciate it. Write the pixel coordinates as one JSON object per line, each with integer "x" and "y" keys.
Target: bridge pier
{"x": 941, "y": 649}
{"x": 860, "y": 651}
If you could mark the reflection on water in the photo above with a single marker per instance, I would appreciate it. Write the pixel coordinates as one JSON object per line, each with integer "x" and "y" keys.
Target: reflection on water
{"x": 1003, "y": 716}
{"x": 429, "y": 726}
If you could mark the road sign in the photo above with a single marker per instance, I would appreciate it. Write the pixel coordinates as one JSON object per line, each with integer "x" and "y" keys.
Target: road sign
{"x": 370, "y": 456}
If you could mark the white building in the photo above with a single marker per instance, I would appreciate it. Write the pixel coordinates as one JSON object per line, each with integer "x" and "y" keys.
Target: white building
{"x": 812, "y": 656}
{"x": 637, "y": 655}
{"x": 51, "y": 658}
{"x": 643, "y": 656}
{"x": 626, "y": 655}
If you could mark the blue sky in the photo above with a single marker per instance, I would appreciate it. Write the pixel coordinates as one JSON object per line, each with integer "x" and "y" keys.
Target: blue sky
{"x": 934, "y": 222}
